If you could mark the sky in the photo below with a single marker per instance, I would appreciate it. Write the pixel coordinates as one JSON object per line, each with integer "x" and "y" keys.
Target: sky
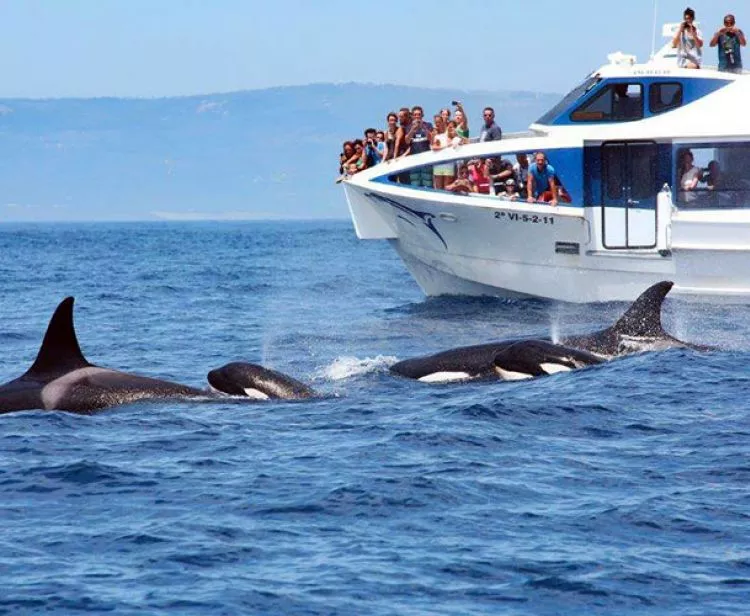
{"x": 154, "y": 48}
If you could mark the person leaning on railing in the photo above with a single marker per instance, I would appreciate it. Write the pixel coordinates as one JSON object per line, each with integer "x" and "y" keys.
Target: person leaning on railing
{"x": 541, "y": 179}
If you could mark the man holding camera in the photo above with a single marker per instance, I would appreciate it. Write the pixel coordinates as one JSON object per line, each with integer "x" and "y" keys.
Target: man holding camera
{"x": 372, "y": 156}
{"x": 689, "y": 42}
{"x": 729, "y": 39}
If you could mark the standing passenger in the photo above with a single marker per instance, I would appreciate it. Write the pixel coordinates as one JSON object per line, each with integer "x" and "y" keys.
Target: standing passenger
{"x": 390, "y": 136}
{"x": 401, "y": 148}
{"x": 462, "y": 123}
{"x": 372, "y": 154}
{"x": 419, "y": 139}
{"x": 729, "y": 39}
{"x": 689, "y": 42}
{"x": 445, "y": 173}
{"x": 441, "y": 174}
{"x": 381, "y": 145}
{"x": 490, "y": 130}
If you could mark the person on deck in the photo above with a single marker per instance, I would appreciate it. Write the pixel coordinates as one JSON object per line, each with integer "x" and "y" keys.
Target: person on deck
{"x": 479, "y": 173}
{"x": 729, "y": 40}
{"x": 372, "y": 154}
{"x": 541, "y": 179}
{"x": 401, "y": 148}
{"x": 521, "y": 171}
{"x": 390, "y": 135}
{"x": 490, "y": 130}
{"x": 462, "y": 184}
{"x": 689, "y": 42}
{"x": 462, "y": 123}
{"x": 509, "y": 193}
{"x": 444, "y": 173}
{"x": 419, "y": 139}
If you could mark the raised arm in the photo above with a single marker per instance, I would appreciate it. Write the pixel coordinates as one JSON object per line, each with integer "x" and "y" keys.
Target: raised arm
{"x": 465, "y": 123}
{"x": 676, "y": 38}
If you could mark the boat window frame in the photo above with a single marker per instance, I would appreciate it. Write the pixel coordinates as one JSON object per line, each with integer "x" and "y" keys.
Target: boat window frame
{"x": 652, "y": 87}
{"x": 595, "y": 118}
{"x": 734, "y": 194}
{"x": 581, "y": 90}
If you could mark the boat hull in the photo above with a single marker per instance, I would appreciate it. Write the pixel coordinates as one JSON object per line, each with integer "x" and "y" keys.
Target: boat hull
{"x": 482, "y": 246}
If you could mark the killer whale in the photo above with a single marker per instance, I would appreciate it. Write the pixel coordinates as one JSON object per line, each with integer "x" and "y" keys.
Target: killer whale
{"x": 61, "y": 378}
{"x": 254, "y": 381}
{"x": 527, "y": 359}
{"x": 639, "y": 329}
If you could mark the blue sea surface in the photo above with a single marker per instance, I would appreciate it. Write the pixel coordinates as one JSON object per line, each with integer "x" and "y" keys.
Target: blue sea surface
{"x": 620, "y": 489}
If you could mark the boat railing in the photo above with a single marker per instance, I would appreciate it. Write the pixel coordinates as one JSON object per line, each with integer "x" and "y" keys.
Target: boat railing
{"x": 516, "y": 135}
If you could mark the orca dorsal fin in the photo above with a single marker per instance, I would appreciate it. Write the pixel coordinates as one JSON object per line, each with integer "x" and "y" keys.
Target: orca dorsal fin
{"x": 60, "y": 350}
{"x": 643, "y": 318}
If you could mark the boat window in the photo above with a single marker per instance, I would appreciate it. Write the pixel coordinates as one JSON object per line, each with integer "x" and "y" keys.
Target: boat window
{"x": 664, "y": 96}
{"x": 643, "y": 169}
{"x": 503, "y": 177}
{"x": 569, "y": 99}
{"x": 713, "y": 175}
{"x": 618, "y": 102}
{"x": 613, "y": 177}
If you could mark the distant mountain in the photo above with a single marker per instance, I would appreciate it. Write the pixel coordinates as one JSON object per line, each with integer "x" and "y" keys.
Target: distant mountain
{"x": 256, "y": 154}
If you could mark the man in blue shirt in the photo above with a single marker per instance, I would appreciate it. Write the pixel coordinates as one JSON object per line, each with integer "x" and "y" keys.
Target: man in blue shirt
{"x": 541, "y": 180}
{"x": 729, "y": 39}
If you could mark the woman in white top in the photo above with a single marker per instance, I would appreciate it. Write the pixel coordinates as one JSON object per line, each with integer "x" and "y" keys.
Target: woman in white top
{"x": 443, "y": 175}
{"x": 690, "y": 175}
{"x": 689, "y": 42}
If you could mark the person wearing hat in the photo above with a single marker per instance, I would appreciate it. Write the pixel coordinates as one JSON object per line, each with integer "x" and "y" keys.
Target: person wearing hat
{"x": 510, "y": 193}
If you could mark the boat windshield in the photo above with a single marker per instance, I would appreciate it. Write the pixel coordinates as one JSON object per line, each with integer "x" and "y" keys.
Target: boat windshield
{"x": 569, "y": 99}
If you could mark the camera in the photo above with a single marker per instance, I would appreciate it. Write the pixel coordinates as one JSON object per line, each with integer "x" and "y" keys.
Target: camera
{"x": 455, "y": 103}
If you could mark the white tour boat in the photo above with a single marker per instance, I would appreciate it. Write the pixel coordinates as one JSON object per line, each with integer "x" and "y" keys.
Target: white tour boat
{"x": 628, "y": 224}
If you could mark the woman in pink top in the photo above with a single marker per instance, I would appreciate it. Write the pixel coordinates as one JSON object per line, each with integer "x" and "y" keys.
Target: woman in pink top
{"x": 480, "y": 175}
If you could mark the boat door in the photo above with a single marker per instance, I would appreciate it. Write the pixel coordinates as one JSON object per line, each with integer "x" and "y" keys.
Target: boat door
{"x": 629, "y": 191}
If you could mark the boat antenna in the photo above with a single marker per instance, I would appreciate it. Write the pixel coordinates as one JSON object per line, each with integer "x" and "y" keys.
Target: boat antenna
{"x": 653, "y": 34}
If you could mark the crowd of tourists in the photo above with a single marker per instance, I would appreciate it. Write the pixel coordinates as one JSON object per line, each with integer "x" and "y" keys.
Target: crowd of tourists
{"x": 408, "y": 132}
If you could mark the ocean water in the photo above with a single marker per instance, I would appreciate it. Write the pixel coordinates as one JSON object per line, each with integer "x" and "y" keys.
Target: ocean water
{"x": 621, "y": 489}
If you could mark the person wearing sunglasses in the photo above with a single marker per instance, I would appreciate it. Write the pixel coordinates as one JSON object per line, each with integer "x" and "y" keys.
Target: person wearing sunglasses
{"x": 490, "y": 130}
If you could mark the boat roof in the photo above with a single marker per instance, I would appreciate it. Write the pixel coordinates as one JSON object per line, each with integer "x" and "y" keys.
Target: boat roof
{"x": 713, "y": 102}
